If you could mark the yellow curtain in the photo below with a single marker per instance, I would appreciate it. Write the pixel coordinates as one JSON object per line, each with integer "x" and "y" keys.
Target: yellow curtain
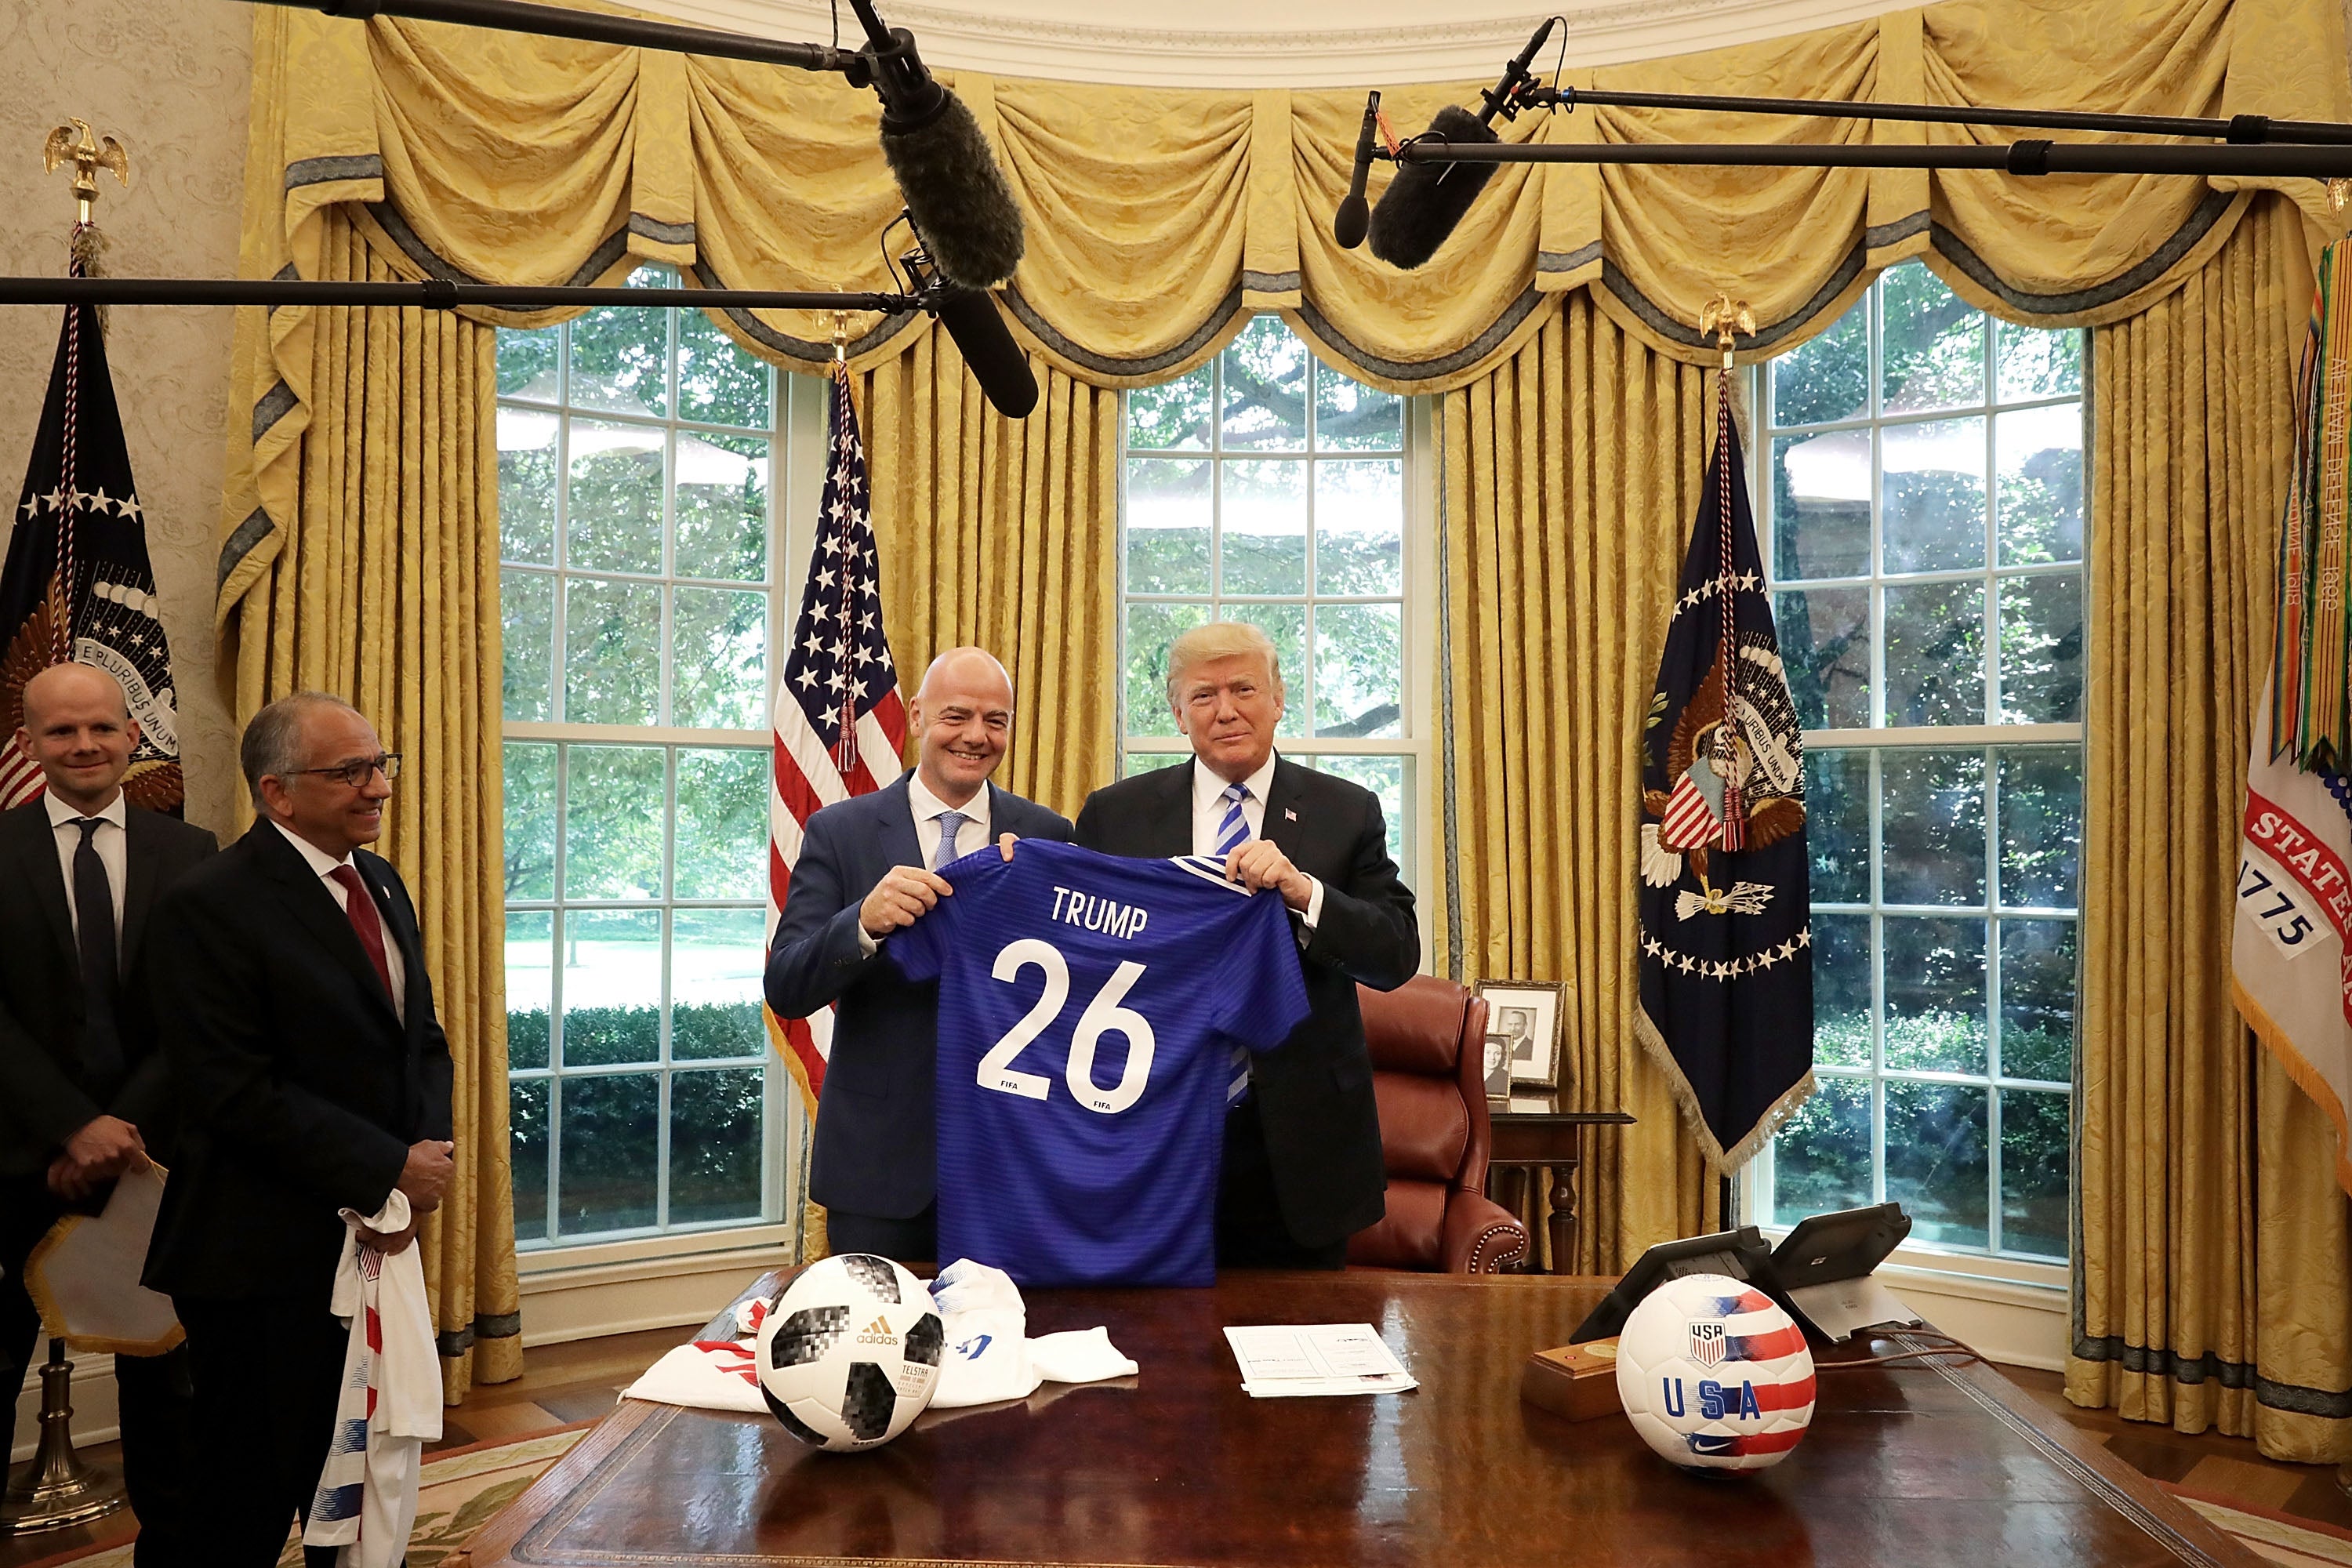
{"x": 2213, "y": 1280}
{"x": 1570, "y": 474}
{"x": 381, "y": 587}
{"x": 1004, "y": 533}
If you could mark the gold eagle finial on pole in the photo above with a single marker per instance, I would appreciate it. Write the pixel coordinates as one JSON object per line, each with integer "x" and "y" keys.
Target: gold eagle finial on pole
{"x": 1723, "y": 316}
{"x": 87, "y": 154}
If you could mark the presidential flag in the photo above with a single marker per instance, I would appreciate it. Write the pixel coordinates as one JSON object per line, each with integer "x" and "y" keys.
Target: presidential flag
{"x": 2290, "y": 949}
{"x": 1723, "y": 891}
{"x": 839, "y": 723}
{"x": 77, "y": 585}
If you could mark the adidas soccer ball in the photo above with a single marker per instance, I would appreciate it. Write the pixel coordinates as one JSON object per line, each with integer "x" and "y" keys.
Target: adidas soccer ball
{"x": 1715, "y": 1375}
{"x": 849, "y": 1354}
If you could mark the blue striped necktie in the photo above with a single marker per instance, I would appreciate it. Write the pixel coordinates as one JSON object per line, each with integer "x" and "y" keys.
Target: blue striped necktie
{"x": 951, "y": 824}
{"x": 1232, "y": 834}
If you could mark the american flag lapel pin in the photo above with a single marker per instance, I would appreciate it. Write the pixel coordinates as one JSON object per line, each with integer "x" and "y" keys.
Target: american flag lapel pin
{"x": 1288, "y": 815}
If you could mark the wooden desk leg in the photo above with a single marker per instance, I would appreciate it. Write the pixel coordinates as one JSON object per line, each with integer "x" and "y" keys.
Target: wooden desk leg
{"x": 1563, "y": 1214}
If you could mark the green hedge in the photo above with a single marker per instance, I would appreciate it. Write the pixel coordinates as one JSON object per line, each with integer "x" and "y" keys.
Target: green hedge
{"x": 607, "y": 1037}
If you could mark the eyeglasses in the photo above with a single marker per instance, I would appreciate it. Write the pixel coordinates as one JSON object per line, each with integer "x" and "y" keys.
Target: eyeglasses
{"x": 356, "y": 774}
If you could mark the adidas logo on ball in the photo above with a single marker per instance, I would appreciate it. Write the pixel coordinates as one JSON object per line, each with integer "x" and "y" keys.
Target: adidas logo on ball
{"x": 877, "y": 1332}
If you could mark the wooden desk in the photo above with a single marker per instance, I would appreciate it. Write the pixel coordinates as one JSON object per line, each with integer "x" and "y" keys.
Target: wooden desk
{"x": 1531, "y": 1134}
{"x": 1911, "y": 1466}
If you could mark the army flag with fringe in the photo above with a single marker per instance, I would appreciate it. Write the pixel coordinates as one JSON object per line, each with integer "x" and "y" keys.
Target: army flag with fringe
{"x": 1724, "y": 888}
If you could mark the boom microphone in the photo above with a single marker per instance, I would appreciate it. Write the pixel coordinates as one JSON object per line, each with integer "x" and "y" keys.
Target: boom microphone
{"x": 1347, "y": 225}
{"x": 977, "y": 328}
{"x": 944, "y": 166}
{"x": 1427, "y": 201}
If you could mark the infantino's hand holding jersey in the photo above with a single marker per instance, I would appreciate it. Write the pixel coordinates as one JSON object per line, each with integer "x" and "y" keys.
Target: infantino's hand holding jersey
{"x": 1088, "y": 1008}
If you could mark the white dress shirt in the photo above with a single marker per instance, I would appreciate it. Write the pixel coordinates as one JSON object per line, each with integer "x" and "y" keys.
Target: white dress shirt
{"x": 113, "y": 853}
{"x": 926, "y": 808}
{"x": 319, "y": 860}
{"x": 1209, "y": 815}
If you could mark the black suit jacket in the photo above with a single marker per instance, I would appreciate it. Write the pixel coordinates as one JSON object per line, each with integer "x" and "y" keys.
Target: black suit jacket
{"x": 877, "y": 1150}
{"x": 301, "y": 1088}
{"x": 45, "y": 1096}
{"x": 1315, "y": 1089}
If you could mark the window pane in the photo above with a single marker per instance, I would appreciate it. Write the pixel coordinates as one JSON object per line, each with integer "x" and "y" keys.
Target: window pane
{"x": 1263, "y": 542}
{"x": 2040, "y": 454}
{"x": 1286, "y": 626}
{"x": 531, "y": 821}
{"x": 1936, "y": 1161}
{"x": 609, "y": 1129}
{"x": 526, "y": 485}
{"x": 527, "y": 364}
{"x": 1935, "y": 975}
{"x": 1837, "y": 827}
{"x": 1932, "y": 813}
{"x": 612, "y": 652}
{"x": 1842, "y": 991}
{"x": 717, "y": 383}
{"x": 1352, "y": 417}
{"x": 2038, "y": 363}
{"x": 1360, "y": 526}
{"x": 722, "y": 824}
{"x": 1820, "y": 505}
{"x": 2040, "y": 826}
{"x": 1828, "y": 378}
{"x": 1358, "y": 669}
{"x": 1932, "y": 352}
{"x": 1152, "y": 762}
{"x": 715, "y": 960}
{"x": 1384, "y": 776}
{"x": 2037, "y": 1000}
{"x": 714, "y": 1145}
{"x": 614, "y": 497}
{"x": 1175, "y": 414}
{"x": 1824, "y": 636}
{"x": 721, "y": 507}
{"x": 1935, "y": 654}
{"x": 527, "y": 608}
{"x": 619, "y": 356}
{"x": 1821, "y": 1160}
{"x": 612, "y": 986}
{"x": 1151, "y": 628}
{"x": 2035, "y": 1171}
{"x": 718, "y": 677}
{"x": 1169, "y": 515}
{"x": 1932, "y": 496}
{"x": 1265, "y": 373}
{"x": 612, "y": 798}
{"x": 2041, "y": 649}
{"x": 527, "y": 1154}
{"x": 530, "y": 985}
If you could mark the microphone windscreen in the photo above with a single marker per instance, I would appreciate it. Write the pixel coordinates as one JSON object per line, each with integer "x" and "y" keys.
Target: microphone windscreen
{"x": 957, "y": 197}
{"x": 972, "y": 320}
{"x": 1427, "y": 201}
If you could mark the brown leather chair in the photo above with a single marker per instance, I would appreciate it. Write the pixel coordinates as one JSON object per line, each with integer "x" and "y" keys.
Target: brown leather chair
{"x": 1428, "y": 1044}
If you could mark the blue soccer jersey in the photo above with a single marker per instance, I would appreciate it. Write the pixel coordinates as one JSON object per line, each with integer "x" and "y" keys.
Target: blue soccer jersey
{"x": 1088, "y": 1008}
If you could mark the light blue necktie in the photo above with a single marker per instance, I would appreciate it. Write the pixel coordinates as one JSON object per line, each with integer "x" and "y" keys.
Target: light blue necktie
{"x": 1232, "y": 834}
{"x": 951, "y": 824}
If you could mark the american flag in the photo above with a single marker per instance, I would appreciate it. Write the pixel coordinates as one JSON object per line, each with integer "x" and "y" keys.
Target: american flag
{"x": 839, "y": 722}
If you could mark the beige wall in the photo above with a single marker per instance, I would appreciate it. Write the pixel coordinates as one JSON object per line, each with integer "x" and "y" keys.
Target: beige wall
{"x": 171, "y": 82}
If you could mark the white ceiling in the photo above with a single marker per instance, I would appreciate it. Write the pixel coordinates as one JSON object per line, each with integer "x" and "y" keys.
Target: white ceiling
{"x": 1239, "y": 43}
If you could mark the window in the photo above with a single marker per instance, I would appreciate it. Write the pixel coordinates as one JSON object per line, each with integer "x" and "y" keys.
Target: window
{"x": 1924, "y": 526}
{"x": 635, "y": 455}
{"x": 1269, "y": 489}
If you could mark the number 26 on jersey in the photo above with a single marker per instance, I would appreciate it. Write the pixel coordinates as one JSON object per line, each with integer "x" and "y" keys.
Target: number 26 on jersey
{"x": 1103, "y": 1016}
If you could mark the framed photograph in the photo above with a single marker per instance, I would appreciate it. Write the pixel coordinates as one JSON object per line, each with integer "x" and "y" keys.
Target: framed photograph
{"x": 1522, "y": 1034}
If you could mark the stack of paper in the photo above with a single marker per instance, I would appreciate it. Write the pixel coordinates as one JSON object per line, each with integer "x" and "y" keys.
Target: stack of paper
{"x": 1289, "y": 1360}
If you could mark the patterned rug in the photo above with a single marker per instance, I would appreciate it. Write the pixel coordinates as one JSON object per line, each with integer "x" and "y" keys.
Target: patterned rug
{"x": 464, "y": 1488}
{"x": 2271, "y": 1536}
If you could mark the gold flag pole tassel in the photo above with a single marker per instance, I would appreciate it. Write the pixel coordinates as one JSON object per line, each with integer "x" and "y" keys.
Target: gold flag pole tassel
{"x": 1725, "y": 317}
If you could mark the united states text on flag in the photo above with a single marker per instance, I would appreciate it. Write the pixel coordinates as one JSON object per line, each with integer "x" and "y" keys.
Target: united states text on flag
{"x": 839, "y": 722}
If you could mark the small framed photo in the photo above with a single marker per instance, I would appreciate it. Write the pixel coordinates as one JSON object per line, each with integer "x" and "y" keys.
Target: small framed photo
{"x": 1522, "y": 1034}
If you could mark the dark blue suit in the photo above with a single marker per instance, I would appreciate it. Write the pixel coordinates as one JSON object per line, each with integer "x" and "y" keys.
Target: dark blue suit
{"x": 876, "y": 1126}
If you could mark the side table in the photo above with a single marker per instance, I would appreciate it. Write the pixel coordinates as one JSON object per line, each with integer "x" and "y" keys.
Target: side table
{"x": 1532, "y": 1132}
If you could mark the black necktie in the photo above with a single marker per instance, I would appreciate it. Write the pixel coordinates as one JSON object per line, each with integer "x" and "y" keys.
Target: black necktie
{"x": 101, "y": 1044}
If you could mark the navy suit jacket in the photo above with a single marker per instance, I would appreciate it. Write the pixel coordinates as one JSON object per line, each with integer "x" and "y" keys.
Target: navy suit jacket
{"x": 1315, "y": 1089}
{"x": 875, "y": 1125}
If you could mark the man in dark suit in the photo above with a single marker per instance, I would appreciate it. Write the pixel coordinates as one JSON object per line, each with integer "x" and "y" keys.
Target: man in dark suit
{"x": 313, "y": 1078}
{"x": 1302, "y": 1168}
{"x": 83, "y": 1094}
{"x": 868, "y": 867}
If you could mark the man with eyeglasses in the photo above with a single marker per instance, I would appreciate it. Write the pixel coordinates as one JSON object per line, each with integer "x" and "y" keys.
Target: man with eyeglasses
{"x": 314, "y": 1078}
{"x": 83, "y": 1094}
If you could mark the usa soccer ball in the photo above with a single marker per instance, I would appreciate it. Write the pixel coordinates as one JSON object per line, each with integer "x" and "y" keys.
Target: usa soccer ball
{"x": 849, "y": 1354}
{"x": 1715, "y": 1375}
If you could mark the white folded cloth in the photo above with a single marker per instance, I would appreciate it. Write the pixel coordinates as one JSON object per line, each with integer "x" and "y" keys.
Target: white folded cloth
{"x": 390, "y": 1401}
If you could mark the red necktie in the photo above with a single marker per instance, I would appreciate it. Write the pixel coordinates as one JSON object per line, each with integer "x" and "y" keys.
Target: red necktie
{"x": 361, "y": 908}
